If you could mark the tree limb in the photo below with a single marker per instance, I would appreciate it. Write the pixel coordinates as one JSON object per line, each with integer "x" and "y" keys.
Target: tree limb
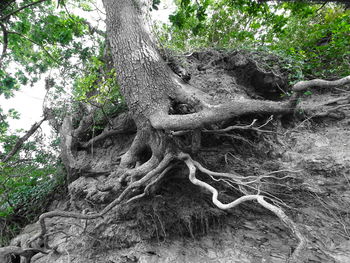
{"x": 20, "y": 9}
{"x": 5, "y": 44}
{"x": 23, "y": 139}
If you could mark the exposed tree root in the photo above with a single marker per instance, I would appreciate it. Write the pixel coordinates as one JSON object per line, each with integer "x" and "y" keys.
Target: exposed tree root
{"x": 152, "y": 179}
{"x": 122, "y": 197}
{"x": 146, "y": 174}
{"x": 304, "y": 85}
{"x": 27, "y": 253}
{"x": 297, "y": 254}
{"x": 210, "y": 114}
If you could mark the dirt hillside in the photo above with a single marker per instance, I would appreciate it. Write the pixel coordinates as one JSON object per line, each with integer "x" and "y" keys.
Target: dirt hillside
{"x": 306, "y": 158}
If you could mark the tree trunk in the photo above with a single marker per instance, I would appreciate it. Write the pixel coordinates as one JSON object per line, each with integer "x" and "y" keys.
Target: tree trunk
{"x": 145, "y": 79}
{"x": 148, "y": 84}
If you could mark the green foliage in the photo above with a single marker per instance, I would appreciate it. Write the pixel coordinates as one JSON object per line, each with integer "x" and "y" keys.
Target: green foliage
{"x": 97, "y": 84}
{"x": 24, "y": 198}
{"x": 316, "y": 37}
{"x": 27, "y": 183}
{"x": 42, "y": 39}
{"x": 321, "y": 39}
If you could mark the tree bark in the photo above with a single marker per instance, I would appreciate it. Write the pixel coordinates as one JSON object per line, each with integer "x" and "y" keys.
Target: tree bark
{"x": 146, "y": 81}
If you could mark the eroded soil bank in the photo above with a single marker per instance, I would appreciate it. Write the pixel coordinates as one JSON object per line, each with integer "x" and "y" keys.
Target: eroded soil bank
{"x": 308, "y": 160}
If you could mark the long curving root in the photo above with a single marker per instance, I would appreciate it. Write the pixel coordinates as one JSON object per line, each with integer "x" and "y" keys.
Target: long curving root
{"x": 193, "y": 165}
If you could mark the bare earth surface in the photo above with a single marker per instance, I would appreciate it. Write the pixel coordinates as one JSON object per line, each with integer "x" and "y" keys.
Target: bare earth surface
{"x": 316, "y": 154}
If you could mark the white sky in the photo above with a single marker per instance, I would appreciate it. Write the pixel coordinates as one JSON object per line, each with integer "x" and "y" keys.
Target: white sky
{"x": 29, "y": 100}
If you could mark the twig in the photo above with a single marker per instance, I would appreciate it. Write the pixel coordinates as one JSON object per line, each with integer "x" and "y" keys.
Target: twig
{"x": 20, "y": 9}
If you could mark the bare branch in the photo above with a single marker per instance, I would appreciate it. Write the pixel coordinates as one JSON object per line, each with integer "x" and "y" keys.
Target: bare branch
{"x": 23, "y": 139}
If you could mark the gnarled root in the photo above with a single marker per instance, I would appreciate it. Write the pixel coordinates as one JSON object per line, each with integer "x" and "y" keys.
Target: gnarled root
{"x": 152, "y": 140}
{"x": 297, "y": 254}
{"x": 27, "y": 253}
{"x": 127, "y": 193}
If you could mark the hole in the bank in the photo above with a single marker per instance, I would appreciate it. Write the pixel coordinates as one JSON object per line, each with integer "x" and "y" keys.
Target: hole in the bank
{"x": 145, "y": 154}
{"x": 15, "y": 259}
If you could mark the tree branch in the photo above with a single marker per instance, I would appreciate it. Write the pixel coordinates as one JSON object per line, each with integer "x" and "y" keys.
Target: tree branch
{"x": 20, "y": 9}
{"x": 36, "y": 43}
{"x": 23, "y": 139}
{"x": 5, "y": 44}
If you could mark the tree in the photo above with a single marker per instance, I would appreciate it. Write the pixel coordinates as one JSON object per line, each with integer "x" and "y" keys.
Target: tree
{"x": 151, "y": 90}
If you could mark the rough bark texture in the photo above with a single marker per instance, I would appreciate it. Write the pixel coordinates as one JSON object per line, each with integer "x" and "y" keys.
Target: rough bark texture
{"x": 142, "y": 74}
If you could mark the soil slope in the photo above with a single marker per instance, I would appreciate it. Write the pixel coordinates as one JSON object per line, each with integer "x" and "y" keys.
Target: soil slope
{"x": 310, "y": 158}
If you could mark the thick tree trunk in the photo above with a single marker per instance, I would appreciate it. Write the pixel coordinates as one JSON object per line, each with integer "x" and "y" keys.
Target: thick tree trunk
{"x": 145, "y": 80}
